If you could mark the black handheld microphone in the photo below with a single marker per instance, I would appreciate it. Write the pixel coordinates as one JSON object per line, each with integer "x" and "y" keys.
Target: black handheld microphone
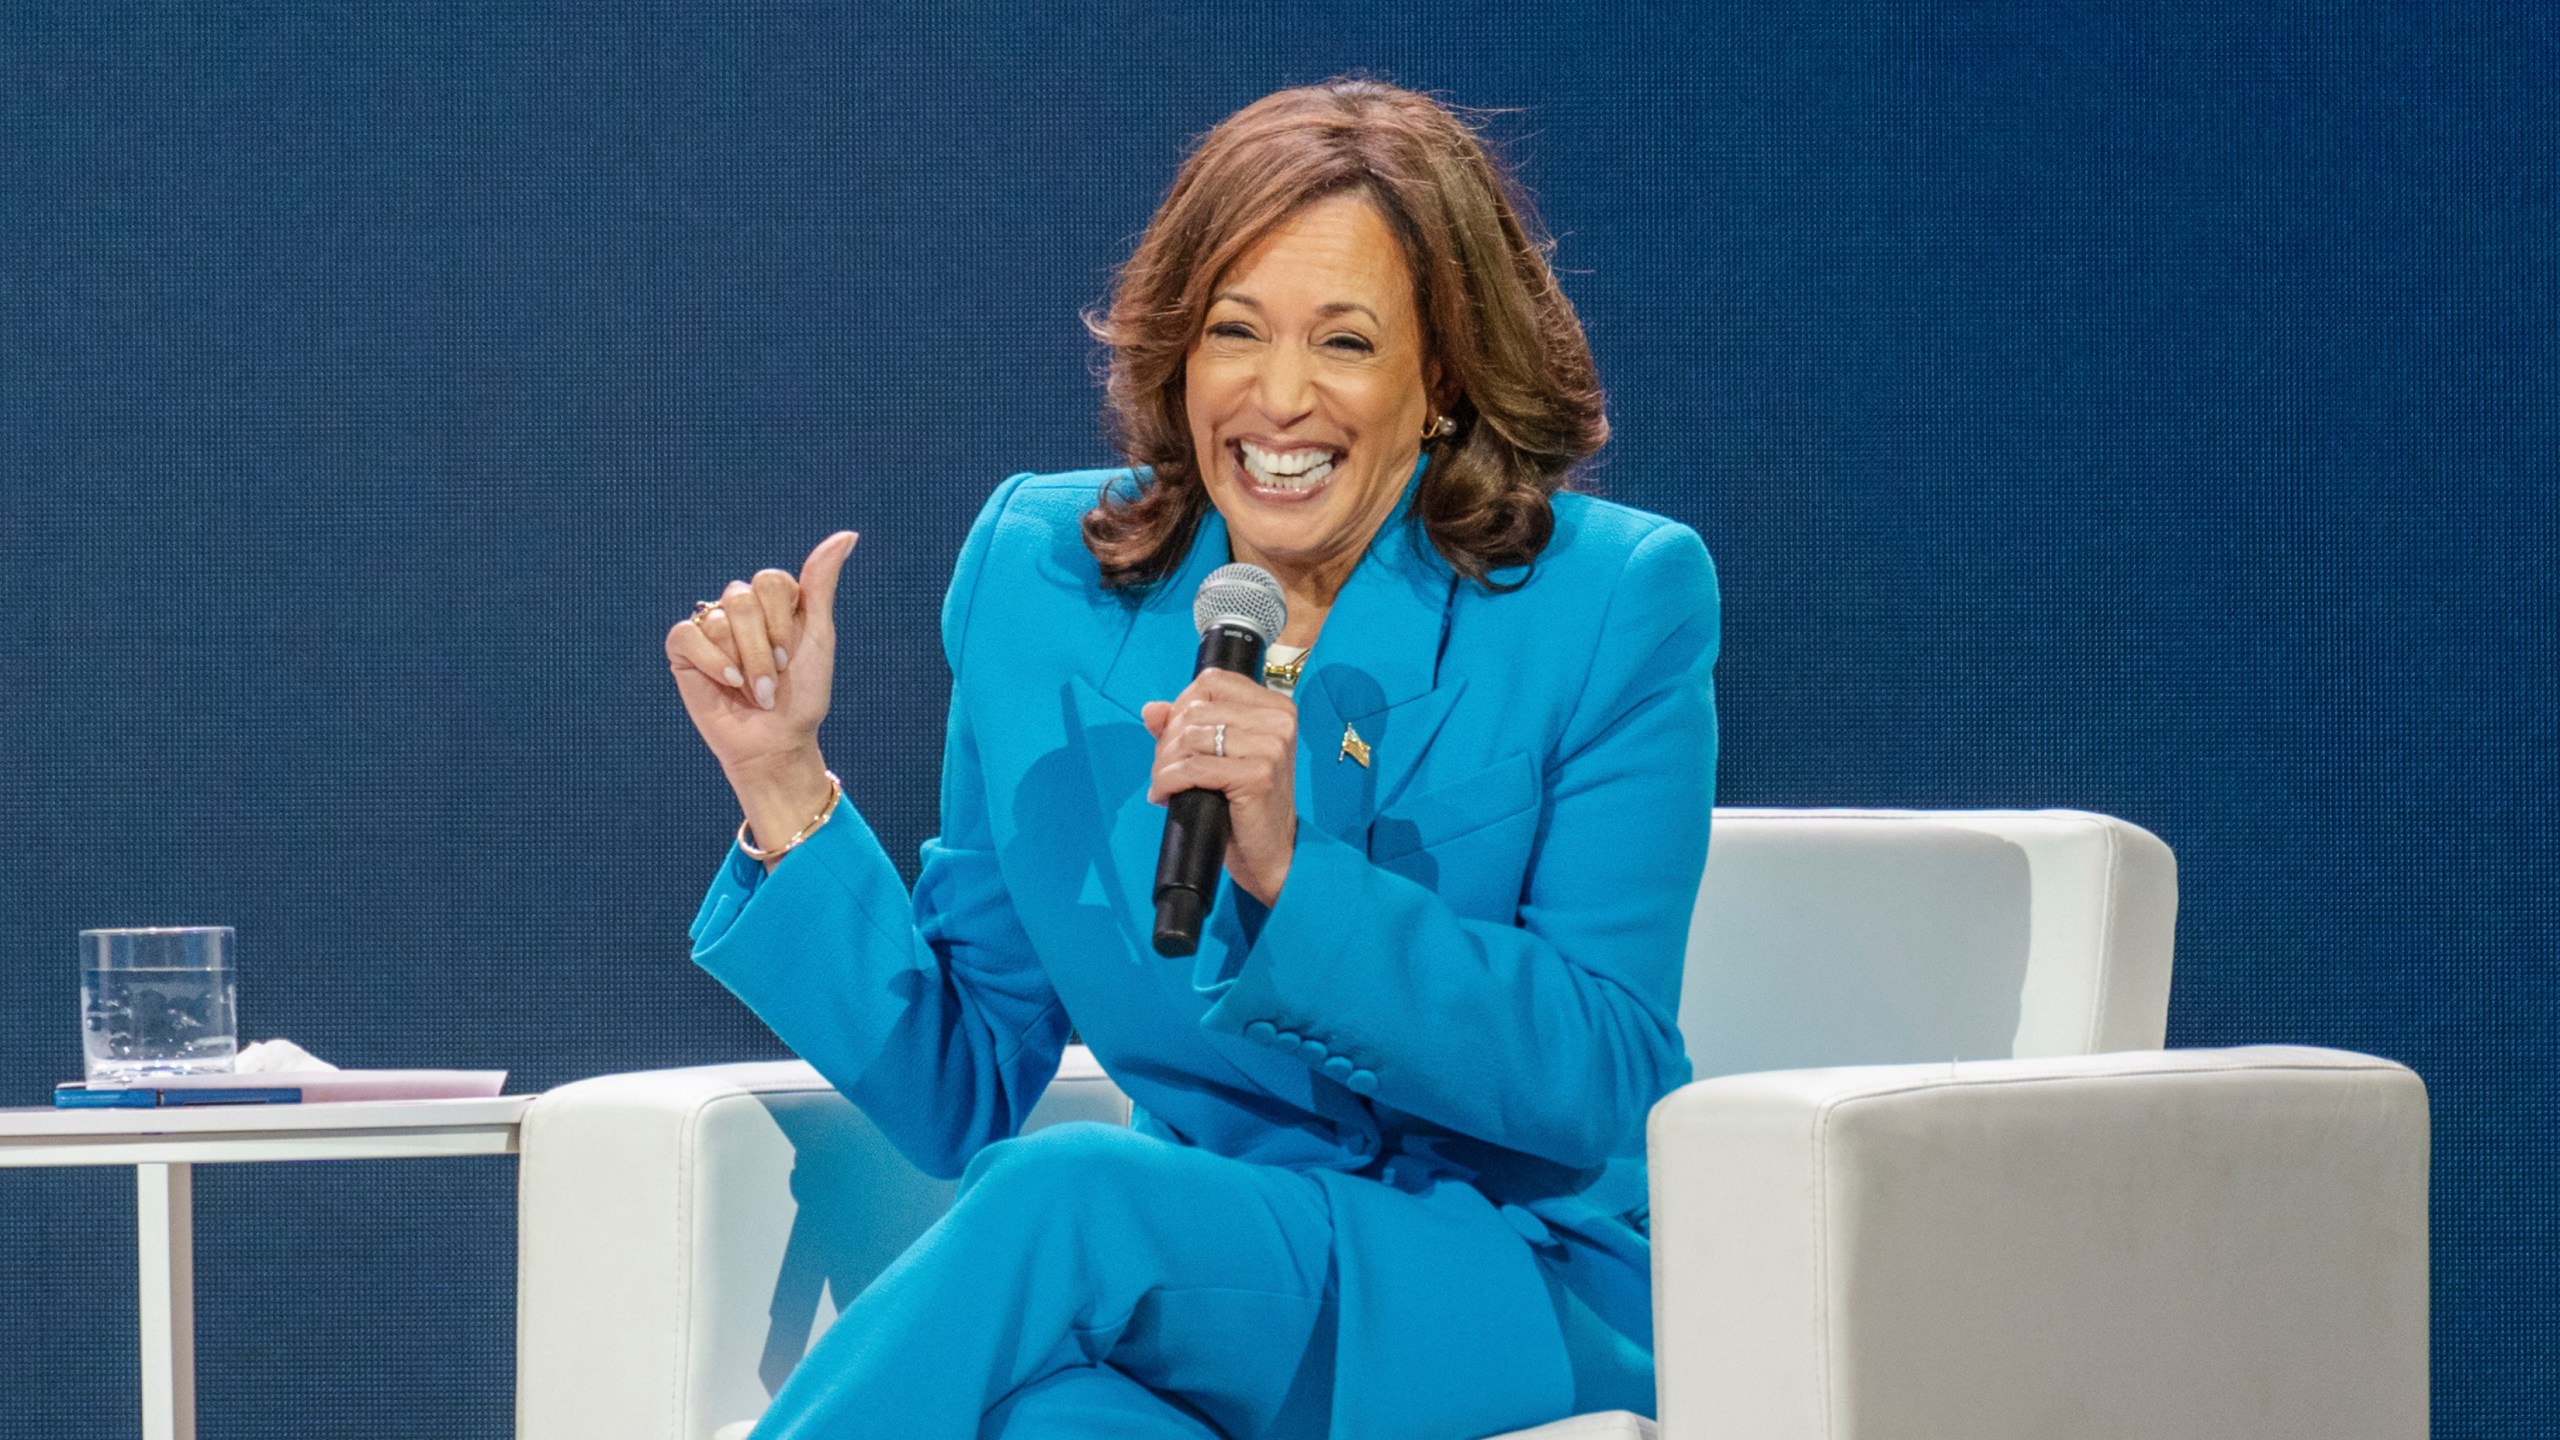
{"x": 1239, "y": 610}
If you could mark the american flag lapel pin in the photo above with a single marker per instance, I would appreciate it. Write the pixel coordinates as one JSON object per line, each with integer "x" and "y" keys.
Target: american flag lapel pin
{"x": 1353, "y": 746}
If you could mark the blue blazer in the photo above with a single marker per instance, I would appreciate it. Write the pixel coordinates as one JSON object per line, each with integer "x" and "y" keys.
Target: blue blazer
{"x": 1464, "y": 1001}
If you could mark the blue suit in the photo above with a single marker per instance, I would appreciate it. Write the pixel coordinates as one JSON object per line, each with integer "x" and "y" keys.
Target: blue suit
{"x": 1386, "y": 1171}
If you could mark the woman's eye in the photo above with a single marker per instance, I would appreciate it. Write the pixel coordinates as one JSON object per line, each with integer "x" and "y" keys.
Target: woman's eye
{"x": 1352, "y": 343}
{"x": 1230, "y": 330}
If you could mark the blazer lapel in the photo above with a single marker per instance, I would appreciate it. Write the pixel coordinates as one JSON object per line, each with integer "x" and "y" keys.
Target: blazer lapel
{"x": 1156, "y": 654}
{"x": 1375, "y": 672}
{"x": 1153, "y": 663}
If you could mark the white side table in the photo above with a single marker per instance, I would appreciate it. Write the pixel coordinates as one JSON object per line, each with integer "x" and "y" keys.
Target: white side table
{"x": 164, "y": 1145}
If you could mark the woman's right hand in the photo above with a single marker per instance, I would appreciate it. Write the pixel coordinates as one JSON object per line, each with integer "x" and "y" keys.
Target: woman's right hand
{"x": 755, "y": 673}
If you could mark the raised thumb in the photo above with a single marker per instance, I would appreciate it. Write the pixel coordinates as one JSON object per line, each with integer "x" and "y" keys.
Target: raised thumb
{"x": 818, "y": 578}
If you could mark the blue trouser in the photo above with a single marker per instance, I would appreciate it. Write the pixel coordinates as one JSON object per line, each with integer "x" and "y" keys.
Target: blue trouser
{"x": 1089, "y": 1281}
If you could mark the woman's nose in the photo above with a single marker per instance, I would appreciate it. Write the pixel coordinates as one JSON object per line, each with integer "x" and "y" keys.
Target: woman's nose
{"x": 1285, "y": 385}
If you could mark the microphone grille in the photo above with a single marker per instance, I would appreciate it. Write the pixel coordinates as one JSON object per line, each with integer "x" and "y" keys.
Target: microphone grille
{"x": 1243, "y": 595}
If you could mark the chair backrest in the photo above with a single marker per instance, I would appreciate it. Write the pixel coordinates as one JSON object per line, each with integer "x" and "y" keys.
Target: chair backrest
{"x": 1836, "y": 937}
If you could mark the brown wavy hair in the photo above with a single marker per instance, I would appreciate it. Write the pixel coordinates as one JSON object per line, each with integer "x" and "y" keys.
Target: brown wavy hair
{"x": 1515, "y": 372}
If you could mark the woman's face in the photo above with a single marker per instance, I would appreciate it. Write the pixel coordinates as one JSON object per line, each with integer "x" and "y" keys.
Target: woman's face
{"x": 1306, "y": 391}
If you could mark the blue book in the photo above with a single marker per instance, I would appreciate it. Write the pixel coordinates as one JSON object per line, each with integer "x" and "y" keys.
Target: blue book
{"x": 74, "y": 1095}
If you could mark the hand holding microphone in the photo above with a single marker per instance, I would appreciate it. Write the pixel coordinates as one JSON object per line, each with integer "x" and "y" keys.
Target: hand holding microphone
{"x": 1226, "y": 761}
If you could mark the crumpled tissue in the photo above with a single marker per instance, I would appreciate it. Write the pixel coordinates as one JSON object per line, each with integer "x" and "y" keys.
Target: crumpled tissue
{"x": 276, "y": 1057}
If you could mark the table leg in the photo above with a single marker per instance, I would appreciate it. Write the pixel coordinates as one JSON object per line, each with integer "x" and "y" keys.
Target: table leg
{"x": 165, "y": 1213}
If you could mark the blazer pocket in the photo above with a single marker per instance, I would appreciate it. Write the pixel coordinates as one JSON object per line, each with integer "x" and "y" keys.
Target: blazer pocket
{"x": 1459, "y": 808}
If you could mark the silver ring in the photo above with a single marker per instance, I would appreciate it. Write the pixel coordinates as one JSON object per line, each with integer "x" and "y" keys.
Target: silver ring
{"x": 1219, "y": 736}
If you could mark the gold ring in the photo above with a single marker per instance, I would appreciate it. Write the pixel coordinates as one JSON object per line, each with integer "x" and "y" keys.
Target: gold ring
{"x": 702, "y": 608}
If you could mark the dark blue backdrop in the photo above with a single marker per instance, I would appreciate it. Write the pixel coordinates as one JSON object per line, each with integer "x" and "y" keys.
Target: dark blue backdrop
{"x": 2148, "y": 408}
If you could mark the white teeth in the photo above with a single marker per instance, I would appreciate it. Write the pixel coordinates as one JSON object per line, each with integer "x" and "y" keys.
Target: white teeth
{"x": 1283, "y": 462}
{"x": 1286, "y": 470}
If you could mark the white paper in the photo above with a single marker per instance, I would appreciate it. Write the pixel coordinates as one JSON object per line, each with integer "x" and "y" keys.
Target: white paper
{"x": 325, "y": 1085}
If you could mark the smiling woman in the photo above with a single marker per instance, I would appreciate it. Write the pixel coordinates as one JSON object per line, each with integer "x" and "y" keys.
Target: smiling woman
{"x": 1385, "y": 1172}
{"x": 1306, "y": 394}
{"x": 1412, "y": 270}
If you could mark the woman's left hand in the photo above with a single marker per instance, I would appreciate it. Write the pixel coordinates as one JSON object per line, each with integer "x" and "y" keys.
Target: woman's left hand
{"x": 1259, "y": 772}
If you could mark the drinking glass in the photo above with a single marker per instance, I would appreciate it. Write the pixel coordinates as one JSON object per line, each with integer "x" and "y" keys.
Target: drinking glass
{"x": 157, "y": 1001}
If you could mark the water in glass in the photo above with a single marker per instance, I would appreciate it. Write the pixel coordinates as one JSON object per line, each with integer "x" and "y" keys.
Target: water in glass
{"x": 156, "y": 1003}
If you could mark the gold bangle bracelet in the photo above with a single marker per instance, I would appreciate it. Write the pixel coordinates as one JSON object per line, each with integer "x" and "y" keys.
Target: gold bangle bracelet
{"x": 835, "y": 797}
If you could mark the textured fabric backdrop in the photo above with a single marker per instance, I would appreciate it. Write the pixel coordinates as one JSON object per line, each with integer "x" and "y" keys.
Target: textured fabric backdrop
{"x": 2141, "y": 408}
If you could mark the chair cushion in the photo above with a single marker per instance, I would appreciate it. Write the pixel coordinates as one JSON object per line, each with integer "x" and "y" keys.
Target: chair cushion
{"x": 1605, "y": 1425}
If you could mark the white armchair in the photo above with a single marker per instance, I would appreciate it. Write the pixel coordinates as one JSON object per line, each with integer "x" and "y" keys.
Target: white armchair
{"x": 2011, "y": 1216}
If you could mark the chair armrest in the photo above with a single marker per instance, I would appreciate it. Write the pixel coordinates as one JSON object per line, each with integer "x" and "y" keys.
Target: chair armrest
{"x": 683, "y": 1235}
{"x": 2182, "y": 1243}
